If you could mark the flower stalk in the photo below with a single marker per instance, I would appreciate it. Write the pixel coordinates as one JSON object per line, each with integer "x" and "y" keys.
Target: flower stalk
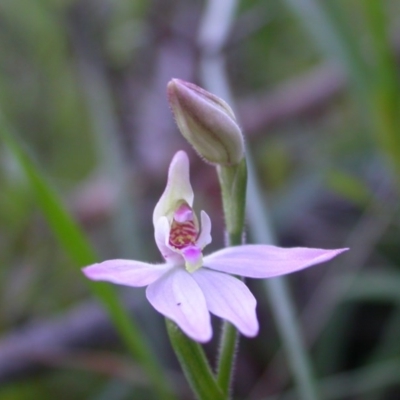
{"x": 226, "y": 358}
{"x": 194, "y": 364}
{"x": 233, "y": 181}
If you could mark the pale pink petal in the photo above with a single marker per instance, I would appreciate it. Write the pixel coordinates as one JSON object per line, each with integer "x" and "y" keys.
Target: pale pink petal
{"x": 178, "y": 188}
{"x": 177, "y": 296}
{"x": 205, "y": 235}
{"x": 229, "y": 298}
{"x": 264, "y": 261}
{"x": 161, "y": 236}
{"x": 126, "y": 272}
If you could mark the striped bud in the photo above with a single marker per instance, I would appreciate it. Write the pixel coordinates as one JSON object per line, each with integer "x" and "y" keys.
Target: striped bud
{"x": 207, "y": 123}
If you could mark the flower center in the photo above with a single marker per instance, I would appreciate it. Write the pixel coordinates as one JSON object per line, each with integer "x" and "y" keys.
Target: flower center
{"x": 183, "y": 235}
{"x": 184, "y": 231}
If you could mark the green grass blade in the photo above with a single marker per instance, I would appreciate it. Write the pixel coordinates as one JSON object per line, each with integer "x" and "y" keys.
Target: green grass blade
{"x": 78, "y": 248}
{"x": 326, "y": 26}
{"x": 385, "y": 88}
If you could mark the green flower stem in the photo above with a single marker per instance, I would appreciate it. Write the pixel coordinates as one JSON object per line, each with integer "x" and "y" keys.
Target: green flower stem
{"x": 194, "y": 364}
{"x": 233, "y": 180}
{"x": 213, "y": 72}
{"x": 226, "y": 358}
{"x": 214, "y": 77}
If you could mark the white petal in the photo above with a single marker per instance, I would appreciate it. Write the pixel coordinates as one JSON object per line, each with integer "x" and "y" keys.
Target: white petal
{"x": 264, "y": 261}
{"x": 177, "y": 296}
{"x": 126, "y": 272}
{"x": 178, "y": 187}
{"x": 230, "y": 299}
{"x": 161, "y": 236}
{"x": 205, "y": 234}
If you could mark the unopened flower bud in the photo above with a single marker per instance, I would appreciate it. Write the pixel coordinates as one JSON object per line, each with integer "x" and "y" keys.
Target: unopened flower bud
{"x": 207, "y": 123}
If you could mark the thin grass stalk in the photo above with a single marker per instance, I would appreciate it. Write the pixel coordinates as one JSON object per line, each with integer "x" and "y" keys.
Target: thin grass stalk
{"x": 75, "y": 244}
{"x": 213, "y": 76}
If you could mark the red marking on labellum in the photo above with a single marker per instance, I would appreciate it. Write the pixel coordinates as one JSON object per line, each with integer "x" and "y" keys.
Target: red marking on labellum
{"x": 182, "y": 234}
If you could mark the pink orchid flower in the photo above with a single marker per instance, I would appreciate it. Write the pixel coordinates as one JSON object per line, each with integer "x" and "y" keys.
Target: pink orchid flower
{"x": 188, "y": 286}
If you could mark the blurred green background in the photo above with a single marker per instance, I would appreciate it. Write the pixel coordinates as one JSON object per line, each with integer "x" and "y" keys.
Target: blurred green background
{"x": 85, "y": 125}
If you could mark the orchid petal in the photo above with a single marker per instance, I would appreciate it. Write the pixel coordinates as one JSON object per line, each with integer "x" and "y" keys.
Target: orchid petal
{"x": 161, "y": 236}
{"x": 126, "y": 272}
{"x": 178, "y": 187}
{"x": 264, "y": 261}
{"x": 177, "y": 296}
{"x": 229, "y": 298}
{"x": 205, "y": 235}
